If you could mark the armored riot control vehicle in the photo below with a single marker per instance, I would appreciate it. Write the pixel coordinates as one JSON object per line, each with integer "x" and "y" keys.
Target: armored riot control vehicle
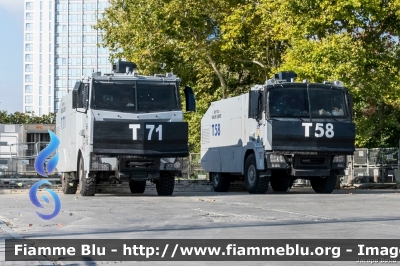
{"x": 279, "y": 132}
{"x": 122, "y": 127}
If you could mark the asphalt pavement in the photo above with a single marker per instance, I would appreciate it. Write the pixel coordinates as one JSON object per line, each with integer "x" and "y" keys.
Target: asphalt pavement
{"x": 298, "y": 214}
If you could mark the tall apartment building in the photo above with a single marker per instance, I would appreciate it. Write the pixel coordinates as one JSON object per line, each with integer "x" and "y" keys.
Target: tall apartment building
{"x": 60, "y": 47}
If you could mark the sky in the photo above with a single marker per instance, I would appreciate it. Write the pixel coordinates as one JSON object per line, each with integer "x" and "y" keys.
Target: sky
{"x": 11, "y": 54}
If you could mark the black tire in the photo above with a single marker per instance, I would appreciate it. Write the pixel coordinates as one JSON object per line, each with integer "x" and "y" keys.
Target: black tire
{"x": 255, "y": 184}
{"x": 69, "y": 183}
{"x": 165, "y": 185}
{"x": 137, "y": 186}
{"x": 324, "y": 185}
{"x": 87, "y": 185}
{"x": 220, "y": 182}
{"x": 281, "y": 185}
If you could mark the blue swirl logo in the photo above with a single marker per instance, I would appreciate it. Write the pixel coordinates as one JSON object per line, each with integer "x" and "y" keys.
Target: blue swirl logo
{"x": 45, "y": 153}
{"x": 35, "y": 201}
{"x": 50, "y": 166}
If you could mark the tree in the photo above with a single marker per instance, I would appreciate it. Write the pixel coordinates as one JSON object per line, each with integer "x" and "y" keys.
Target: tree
{"x": 26, "y": 118}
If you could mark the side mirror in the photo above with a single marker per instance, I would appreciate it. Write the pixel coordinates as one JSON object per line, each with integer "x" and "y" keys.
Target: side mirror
{"x": 255, "y": 103}
{"x": 75, "y": 95}
{"x": 350, "y": 99}
{"x": 190, "y": 99}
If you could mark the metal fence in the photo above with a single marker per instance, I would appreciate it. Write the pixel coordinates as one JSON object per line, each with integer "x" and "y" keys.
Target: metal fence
{"x": 20, "y": 163}
{"x": 373, "y": 166}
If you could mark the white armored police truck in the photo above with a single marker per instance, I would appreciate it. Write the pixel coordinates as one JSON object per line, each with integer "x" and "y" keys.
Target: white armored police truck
{"x": 278, "y": 132}
{"x": 122, "y": 127}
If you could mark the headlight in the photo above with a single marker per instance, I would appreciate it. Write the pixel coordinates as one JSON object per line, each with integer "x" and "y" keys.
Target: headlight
{"x": 273, "y": 158}
{"x": 339, "y": 159}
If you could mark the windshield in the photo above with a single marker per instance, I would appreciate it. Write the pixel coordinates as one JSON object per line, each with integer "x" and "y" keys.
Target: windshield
{"x": 133, "y": 96}
{"x": 294, "y": 102}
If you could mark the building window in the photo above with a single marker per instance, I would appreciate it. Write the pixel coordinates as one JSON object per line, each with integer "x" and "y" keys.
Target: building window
{"x": 74, "y": 28}
{"x": 49, "y": 35}
{"x": 40, "y": 111}
{"x": 89, "y": 50}
{"x": 88, "y": 28}
{"x": 61, "y": 40}
{"x": 41, "y": 5}
{"x": 74, "y": 39}
{"x": 74, "y": 50}
{"x": 89, "y": 7}
{"x": 29, "y": 26}
{"x": 29, "y": 37}
{"x": 74, "y": 18}
{"x": 102, "y": 6}
{"x": 89, "y": 61}
{"x": 74, "y": 72}
{"x": 61, "y": 18}
{"x": 74, "y": 7}
{"x": 40, "y": 100}
{"x": 29, "y": 16}
{"x": 103, "y": 61}
{"x": 50, "y": 15}
{"x": 49, "y": 100}
{"x": 40, "y": 37}
{"x": 28, "y": 99}
{"x": 28, "y": 57}
{"x": 89, "y": 17}
{"x": 49, "y": 79}
{"x": 89, "y": 39}
{"x": 74, "y": 61}
{"x": 40, "y": 15}
{"x": 61, "y": 72}
{"x": 87, "y": 72}
{"x": 49, "y": 58}
{"x": 29, "y": 5}
{"x": 28, "y": 88}
{"x": 40, "y": 47}
{"x": 102, "y": 50}
{"x": 29, "y": 47}
{"x": 50, "y": 47}
{"x": 40, "y": 79}
{"x": 28, "y": 78}
{"x": 40, "y": 58}
{"x": 49, "y": 90}
{"x": 40, "y": 90}
{"x": 50, "y": 28}
{"x": 28, "y": 68}
{"x": 28, "y": 109}
{"x": 56, "y": 105}
{"x": 40, "y": 26}
{"x": 61, "y": 7}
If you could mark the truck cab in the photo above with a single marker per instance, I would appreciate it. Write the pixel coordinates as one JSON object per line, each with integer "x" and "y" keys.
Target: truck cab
{"x": 122, "y": 127}
{"x": 288, "y": 130}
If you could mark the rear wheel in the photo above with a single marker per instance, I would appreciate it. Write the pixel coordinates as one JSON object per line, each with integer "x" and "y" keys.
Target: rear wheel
{"x": 69, "y": 183}
{"x": 220, "y": 182}
{"x": 281, "y": 185}
{"x": 137, "y": 186}
{"x": 255, "y": 184}
{"x": 324, "y": 184}
{"x": 165, "y": 185}
{"x": 87, "y": 185}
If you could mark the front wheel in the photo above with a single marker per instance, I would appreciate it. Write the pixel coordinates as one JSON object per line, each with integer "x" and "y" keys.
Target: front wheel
{"x": 68, "y": 183}
{"x": 220, "y": 182}
{"x": 165, "y": 185}
{"x": 254, "y": 182}
{"x": 87, "y": 185}
{"x": 324, "y": 184}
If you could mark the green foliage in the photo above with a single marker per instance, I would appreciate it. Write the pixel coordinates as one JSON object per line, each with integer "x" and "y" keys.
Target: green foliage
{"x": 25, "y": 118}
{"x": 220, "y": 48}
